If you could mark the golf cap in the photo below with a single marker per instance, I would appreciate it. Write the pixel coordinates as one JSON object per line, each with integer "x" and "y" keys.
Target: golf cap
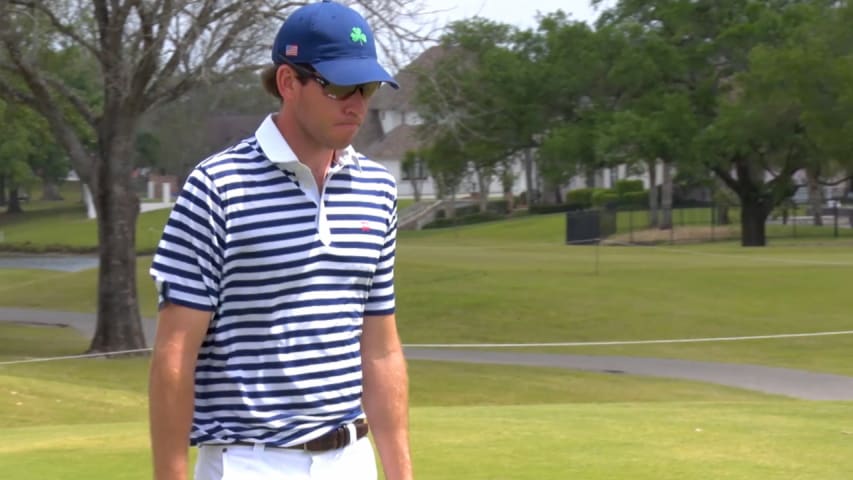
{"x": 335, "y": 40}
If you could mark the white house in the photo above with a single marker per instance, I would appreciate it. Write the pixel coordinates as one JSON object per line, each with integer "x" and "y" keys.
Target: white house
{"x": 390, "y": 130}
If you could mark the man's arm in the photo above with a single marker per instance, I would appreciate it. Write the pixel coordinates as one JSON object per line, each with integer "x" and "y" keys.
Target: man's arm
{"x": 386, "y": 394}
{"x": 180, "y": 332}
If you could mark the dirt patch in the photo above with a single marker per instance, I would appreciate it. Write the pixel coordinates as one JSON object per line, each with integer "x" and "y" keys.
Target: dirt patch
{"x": 687, "y": 234}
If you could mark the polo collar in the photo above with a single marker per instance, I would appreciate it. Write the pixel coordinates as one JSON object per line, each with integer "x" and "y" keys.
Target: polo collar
{"x": 277, "y": 150}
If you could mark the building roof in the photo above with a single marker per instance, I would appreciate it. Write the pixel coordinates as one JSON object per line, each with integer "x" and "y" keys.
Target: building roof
{"x": 370, "y": 131}
{"x": 394, "y": 145}
{"x": 402, "y": 100}
{"x": 379, "y": 145}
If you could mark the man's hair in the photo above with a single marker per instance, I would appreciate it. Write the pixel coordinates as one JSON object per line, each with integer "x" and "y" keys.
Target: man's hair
{"x": 268, "y": 78}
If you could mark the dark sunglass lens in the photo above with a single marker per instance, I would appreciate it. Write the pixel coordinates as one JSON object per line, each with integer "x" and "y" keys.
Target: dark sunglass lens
{"x": 343, "y": 92}
{"x": 368, "y": 89}
{"x": 340, "y": 92}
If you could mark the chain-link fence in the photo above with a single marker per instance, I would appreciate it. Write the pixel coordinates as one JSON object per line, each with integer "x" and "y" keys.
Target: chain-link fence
{"x": 707, "y": 223}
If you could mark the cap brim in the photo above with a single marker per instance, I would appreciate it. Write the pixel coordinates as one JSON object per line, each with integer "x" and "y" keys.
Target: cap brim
{"x": 353, "y": 71}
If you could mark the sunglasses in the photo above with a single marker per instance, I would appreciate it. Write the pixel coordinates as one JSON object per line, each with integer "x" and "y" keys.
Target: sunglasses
{"x": 338, "y": 92}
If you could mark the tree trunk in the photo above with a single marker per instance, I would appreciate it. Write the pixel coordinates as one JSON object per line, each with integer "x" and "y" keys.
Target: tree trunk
{"x": 507, "y": 182}
{"x": 666, "y": 197}
{"x": 484, "y": 180}
{"x": 2, "y": 190}
{"x": 752, "y": 221}
{"x": 450, "y": 206}
{"x": 416, "y": 189}
{"x": 119, "y": 325}
{"x": 549, "y": 194}
{"x": 815, "y": 199}
{"x": 50, "y": 191}
{"x": 14, "y": 205}
{"x": 723, "y": 215}
{"x": 653, "y": 194}
{"x": 528, "y": 177}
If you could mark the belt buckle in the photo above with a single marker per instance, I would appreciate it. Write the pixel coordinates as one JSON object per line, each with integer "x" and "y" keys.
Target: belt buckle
{"x": 352, "y": 434}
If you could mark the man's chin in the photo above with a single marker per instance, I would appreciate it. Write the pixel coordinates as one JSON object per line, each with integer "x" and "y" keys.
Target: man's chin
{"x": 341, "y": 141}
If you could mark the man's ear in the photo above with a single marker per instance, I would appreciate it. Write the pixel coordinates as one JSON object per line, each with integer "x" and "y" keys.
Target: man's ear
{"x": 286, "y": 81}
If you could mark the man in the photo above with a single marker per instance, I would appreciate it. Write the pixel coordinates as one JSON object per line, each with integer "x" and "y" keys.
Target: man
{"x": 277, "y": 336}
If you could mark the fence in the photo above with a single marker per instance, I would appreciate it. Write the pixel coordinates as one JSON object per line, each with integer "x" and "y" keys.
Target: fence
{"x": 712, "y": 223}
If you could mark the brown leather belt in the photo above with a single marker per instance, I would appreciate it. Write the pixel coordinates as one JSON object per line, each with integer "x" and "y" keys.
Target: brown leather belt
{"x": 337, "y": 438}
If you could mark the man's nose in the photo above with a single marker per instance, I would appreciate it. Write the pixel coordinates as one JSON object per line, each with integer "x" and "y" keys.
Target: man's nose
{"x": 356, "y": 102}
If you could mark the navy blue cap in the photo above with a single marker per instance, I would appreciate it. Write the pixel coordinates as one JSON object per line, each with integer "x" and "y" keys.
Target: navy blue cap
{"x": 335, "y": 40}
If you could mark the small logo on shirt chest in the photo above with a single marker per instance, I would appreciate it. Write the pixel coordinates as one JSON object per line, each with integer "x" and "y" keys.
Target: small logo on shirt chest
{"x": 365, "y": 227}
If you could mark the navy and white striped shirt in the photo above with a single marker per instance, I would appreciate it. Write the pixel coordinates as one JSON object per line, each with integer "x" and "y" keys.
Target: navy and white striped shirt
{"x": 289, "y": 273}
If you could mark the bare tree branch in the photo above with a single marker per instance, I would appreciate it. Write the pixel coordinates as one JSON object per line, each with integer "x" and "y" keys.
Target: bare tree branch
{"x": 61, "y": 27}
{"x": 401, "y": 26}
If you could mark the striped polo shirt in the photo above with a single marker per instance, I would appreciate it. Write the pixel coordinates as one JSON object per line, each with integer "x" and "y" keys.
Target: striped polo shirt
{"x": 289, "y": 272}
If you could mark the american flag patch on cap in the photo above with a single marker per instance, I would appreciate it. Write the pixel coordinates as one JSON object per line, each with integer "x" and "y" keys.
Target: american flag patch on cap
{"x": 291, "y": 50}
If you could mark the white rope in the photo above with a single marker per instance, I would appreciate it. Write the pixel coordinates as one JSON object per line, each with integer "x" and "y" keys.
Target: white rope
{"x": 76, "y": 357}
{"x": 498, "y": 345}
{"x": 626, "y": 342}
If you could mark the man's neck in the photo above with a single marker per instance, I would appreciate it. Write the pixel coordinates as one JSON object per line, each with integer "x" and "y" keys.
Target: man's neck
{"x": 314, "y": 156}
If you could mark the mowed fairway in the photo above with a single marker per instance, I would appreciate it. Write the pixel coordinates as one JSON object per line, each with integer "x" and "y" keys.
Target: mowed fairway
{"x": 515, "y": 282}
{"x": 511, "y": 282}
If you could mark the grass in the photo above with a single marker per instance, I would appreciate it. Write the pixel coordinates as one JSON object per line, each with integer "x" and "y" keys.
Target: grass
{"x": 72, "y": 197}
{"x": 36, "y": 231}
{"x": 512, "y": 281}
{"x": 39, "y": 233}
{"x": 592, "y": 441}
{"x": 82, "y": 419}
{"x": 26, "y": 289}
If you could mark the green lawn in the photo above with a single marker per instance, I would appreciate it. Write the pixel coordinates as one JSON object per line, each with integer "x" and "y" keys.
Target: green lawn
{"x": 515, "y": 281}
{"x": 86, "y": 419}
{"x": 38, "y": 230}
{"x": 509, "y": 282}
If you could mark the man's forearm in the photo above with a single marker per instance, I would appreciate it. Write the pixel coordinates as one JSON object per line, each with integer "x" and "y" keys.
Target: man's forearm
{"x": 386, "y": 400}
{"x": 170, "y": 414}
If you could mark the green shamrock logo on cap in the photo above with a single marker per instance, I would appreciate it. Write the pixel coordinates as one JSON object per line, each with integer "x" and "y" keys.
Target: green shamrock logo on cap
{"x": 357, "y": 36}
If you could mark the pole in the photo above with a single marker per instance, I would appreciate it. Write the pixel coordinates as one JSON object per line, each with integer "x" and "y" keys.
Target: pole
{"x": 597, "y": 245}
{"x": 835, "y": 217}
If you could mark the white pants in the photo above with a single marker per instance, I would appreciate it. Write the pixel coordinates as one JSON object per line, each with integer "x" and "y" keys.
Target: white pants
{"x": 354, "y": 462}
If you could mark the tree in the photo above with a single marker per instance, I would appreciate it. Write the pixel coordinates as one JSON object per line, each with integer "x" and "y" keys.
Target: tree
{"x": 25, "y": 147}
{"x": 567, "y": 150}
{"x": 193, "y": 126}
{"x": 787, "y": 112}
{"x": 445, "y": 160}
{"x": 483, "y": 93}
{"x": 147, "y": 54}
{"x": 413, "y": 169}
{"x": 752, "y": 144}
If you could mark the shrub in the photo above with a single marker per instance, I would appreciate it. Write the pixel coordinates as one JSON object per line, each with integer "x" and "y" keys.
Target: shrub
{"x": 625, "y": 186}
{"x": 498, "y": 206}
{"x": 635, "y": 199}
{"x": 464, "y": 220}
{"x": 581, "y": 197}
{"x": 556, "y": 208}
{"x": 605, "y": 198}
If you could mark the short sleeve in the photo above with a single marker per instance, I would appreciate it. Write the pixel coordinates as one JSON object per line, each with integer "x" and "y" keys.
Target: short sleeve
{"x": 187, "y": 266}
{"x": 380, "y": 299}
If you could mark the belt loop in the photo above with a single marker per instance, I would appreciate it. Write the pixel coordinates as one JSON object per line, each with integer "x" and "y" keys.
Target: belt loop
{"x": 258, "y": 448}
{"x": 352, "y": 433}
